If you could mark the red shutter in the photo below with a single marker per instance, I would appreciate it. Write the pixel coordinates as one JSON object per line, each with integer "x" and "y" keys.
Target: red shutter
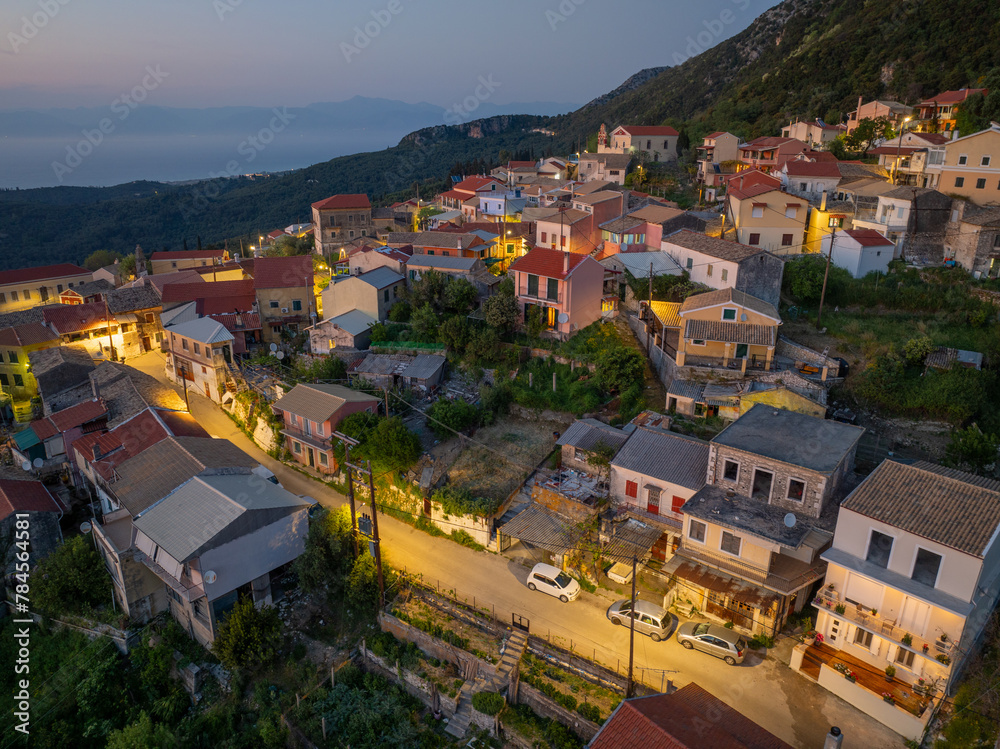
{"x": 676, "y": 504}
{"x": 543, "y": 236}
{"x": 754, "y": 239}
{"x": 631, "y": 489}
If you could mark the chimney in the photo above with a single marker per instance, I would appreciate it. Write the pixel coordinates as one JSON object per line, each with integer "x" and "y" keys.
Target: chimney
{"x": 834, "y": 739}
{"x": 822, "y": 201}
{"x": 565, "y": 262}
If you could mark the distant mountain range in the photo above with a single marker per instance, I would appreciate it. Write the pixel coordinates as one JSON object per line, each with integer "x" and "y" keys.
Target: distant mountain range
{"x": 358, "y": 113}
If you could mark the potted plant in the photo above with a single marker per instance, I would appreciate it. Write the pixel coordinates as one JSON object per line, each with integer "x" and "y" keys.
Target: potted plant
{"x": 944, "y": 637}
{"x": 851, "y": 676}
{"x": 926, "y": 647}
{"x": 810, "y": 637}
{"x": 907, "y": 639}
{"x": 874, "y": 612}
{"x": 944, "y": 659}
{"x": 888, "y": 698}
{"x": 841, "y": 608}
{"x": 890, "y": 672}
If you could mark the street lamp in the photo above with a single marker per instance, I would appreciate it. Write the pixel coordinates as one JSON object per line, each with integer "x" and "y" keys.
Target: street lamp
{"x": 899, "y": 142}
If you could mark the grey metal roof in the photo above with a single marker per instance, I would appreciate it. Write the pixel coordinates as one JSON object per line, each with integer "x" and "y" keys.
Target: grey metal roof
{"x": 319, "y": 402}
{"x": 686, "y": 389}
{"x": 354, "y": 322}
{"x": 716, "y": 505}
{"x": 666, "y": 456}
{"x": 587, "y": 434}
{"x": 204, "y": 329}
{"x": 442, "y": 262}
{"x": 209, "y": 511}
{"x": 637, "y": 263}
{"x": 380, "y": 277}
{"x": 538, "y": 527}
{"x": 793, "y": 438}
{"x": 424, "y": 366}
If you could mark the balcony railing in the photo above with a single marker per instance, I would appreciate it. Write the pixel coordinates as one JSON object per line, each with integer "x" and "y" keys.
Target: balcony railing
{"x": 541, "y": 296}
{"x": 717, "y": 362}
{"x": 753, "y": 573}
{"x": 940, "y": 650}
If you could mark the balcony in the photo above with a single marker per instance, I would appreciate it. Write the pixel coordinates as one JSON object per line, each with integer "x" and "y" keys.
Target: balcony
{"x": 313, "y": 440}
{"x": 755, "y": 362}
{"x": 539, "y": 297}
{"x": 785, "y": 575}
{"x": 941, "y": 651}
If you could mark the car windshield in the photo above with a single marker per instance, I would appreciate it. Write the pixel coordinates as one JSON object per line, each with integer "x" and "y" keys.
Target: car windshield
{"x": 563, "y": 580}
{"x": 701, "y": 629}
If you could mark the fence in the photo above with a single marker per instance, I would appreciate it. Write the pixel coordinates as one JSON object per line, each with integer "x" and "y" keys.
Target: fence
{"x": 407, "y": 347}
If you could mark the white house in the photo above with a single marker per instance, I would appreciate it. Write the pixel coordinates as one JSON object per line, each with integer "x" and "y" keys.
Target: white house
{"x": 809, "y": 179}
{"x": 859, "y": 251}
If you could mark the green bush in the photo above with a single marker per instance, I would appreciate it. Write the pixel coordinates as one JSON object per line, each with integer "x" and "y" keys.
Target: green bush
{"x": 488, "y": 703}
{"x": 446, "y": 417}
{"x": 457, "y": 500}
{"x": 590, "y": 712}
{"x": 566, "y": 700}
{"x": 248, "y": 636}
{"x": 71, "y": 580}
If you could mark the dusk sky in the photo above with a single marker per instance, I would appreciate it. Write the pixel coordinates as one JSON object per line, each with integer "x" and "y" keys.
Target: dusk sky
{"x": 67, "y": 53}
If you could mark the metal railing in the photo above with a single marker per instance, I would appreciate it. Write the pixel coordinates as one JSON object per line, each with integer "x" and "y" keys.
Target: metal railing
{"x": 756, "y": 574}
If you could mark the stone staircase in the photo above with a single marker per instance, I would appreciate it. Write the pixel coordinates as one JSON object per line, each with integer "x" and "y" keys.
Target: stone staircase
{"x": 459, "y": 723}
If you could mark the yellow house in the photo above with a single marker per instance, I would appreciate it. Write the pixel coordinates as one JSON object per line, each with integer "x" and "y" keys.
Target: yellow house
{"x": 16, "y": 379}
{"x": 781, "y": 397}
{"x": 727, "y": 328}
{"x": 969, "y": 169}
{"x": 29, "y": 287}
{"x": 171, "y": 261}
{"x": 768, "y": 218}
{"x": 824, "y": 219}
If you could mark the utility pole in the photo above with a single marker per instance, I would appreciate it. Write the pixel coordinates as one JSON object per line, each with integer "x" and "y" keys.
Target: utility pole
{"x": 378, "y": 542}
{"x": 385, "y": 392}
{"x": 630, "y": 687}
{"x": 184, "y": 379}
{"x": 826, "y": 275}
{"x": 350, "y": 486}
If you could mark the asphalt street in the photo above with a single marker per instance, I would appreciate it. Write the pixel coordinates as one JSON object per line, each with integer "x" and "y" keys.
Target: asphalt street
{"x": 763, "y": 688}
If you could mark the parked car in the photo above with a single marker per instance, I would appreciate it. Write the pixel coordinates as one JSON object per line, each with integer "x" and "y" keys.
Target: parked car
{"x": 554, "y": 581}
{"x": 721, "y": 642}
{"x": 650, "y": 619}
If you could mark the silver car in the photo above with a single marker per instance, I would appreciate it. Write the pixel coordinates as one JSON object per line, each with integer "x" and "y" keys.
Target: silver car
{"x": 650, "y": 619}
{"x": 711, "y": 638}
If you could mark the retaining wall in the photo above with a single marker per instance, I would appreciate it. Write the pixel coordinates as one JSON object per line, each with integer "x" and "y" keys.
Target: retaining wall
{"x": 547, "y": 708}
{"x": 413, "y": 684}
{"x": 901, "y": 721}
{"x": 796, "y": 351}
{"x": 466, "y": 662}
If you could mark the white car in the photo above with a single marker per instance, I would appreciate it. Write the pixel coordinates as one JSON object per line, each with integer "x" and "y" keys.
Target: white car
{"x": 554, "y": 581}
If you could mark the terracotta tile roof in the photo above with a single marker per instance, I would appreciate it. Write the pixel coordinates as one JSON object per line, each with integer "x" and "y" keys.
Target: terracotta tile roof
{"x": 26, "y": 335}
{"x": 752, "y": 191}
{"x": 949, "y": 507}
{"x": 187, "y": 255}
{"x": 344, "y": 201}
{"x": 234, "y": 323}
{"x": 276, "y": 233}
{"x": 25, "y": 496}
{"x": 728, "y": 296}
{"x": 716, "y": 134}
{"x": 74, "y": 416}
{"x": 549, "y": 263}
{"x": 75, "y": 318}
{"x": 41, "y": 273}
{"x": 952, "y": 97}
{"x": 283, "y": 272}
{"x": 188, "y": 292}
{"x": 750, "y": 177}
{"x": 649, "y": 130}
{"x": 765, "y": 142}
{"x": 690, "y": 718}
{"x": 868, "y": 237}
{"x": 454, "y": 194}
{"x": 208, "y": 306}
{"x": 474, "y": 184}
{"x": 729, "y": 332}
{"x": 667, "y": 313}
{"x": 723, "y": 249}
{"x": 804, "y": 168}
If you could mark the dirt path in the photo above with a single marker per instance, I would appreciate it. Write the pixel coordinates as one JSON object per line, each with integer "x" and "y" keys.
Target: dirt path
{"x": 656, "y": 393}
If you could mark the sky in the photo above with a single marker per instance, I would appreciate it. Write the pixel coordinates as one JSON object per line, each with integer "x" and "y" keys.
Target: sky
{"x": 204, "y": 53}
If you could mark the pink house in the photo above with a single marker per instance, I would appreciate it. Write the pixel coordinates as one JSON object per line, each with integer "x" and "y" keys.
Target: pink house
{"x": 311, "y": 414}
{"x": 567, "y": 287}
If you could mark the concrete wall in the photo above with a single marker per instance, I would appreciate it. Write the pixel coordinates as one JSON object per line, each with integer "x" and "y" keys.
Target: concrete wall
{"x": 797, "y": 352}
{"x": 577, "y": 511}
{"x": 899, "y": 720}
{"x": 435, "y": 648}
{"x": 547, "y": 708}
{"x": 413, "y": 684}
{"x": 760, "y": 276}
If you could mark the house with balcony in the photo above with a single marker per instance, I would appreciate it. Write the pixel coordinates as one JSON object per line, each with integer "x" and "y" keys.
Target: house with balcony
{"x": 339, "y": 219}
{"x": 767, "y": 218}
{"x": 199, "y": 356}
{"x": 725, "y": 328}
{"x": 286, "y": 297}
{"x": 937, "y": 114}
{"x": 871, "y": 110}
{"x": 566, "y": 287}
{"x": 969, "y": 170}
{"x": 912, "y": 578}
{"x": 311, "y": 414}
{"x": 753, "y": 535}
{"x": 659, "y": 141}
{"x": 768, "y": 153}
{"x": 717, "y": 155}
{"x": 25, "y": 288}
{"x": 912, "y": 158}
{"x": 911, "y": 217}
{"x": 815, "y": 134}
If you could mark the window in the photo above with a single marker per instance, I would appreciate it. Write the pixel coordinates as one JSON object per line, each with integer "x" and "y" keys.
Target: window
{"x": 690, "y": 263}
{"x": 729, "y": 314}
{"x": 297, "y": 447}
{"x": 959, "y": 181}
{"x": 697, "y": 342}
{"x": 12, "y": 357}
{"x": 754, "y": 239}
{"x": 796, "y": 490}
{"x": 385, "y": 296}
{"x": 204, "y": 371}
{"x": 803, "y": 186}
{"x": 273, "y": 304}
{"x": 13, "y": 296}
{"x": 552, "y": 289}
{"x": 725, "y": 275}
{"x": 730, "y": 543}
{"x": 18, "y": 381}
{"x": 351, "y": 234}
{"x": 532, "y": 285}
{"x": 59, "y": 288}
{"x": 297, "y": 305}
{"x": 184, "y": 344}
{"x": 562, "y": 241}
{"x": 863, "y": 638}
{"x": 708, "y": 270}
{"x": 4, "y": 380}
{"x": 791, "y": 211}
{"x": 786, "y": 240}
{"x": 676, "y": 503}
{"x": 762, "y": 481}
{"x": 730, "y": 470}
{"x": 696, "y": 531}
{"x": 3, "y": 298}
{"x": 510, "y": 249}
{"x": 981, "y": 183}
{"x": 323, "y": 459}
{"x": 985, "y": 161}
{"x": 904, "y": 657}
{"x": 197, "y": 349}
{"x": 172, "y": 265}
{"x": 963, "y": 159}
{"x": 27, "y": 295}
{"x": 836, "y": 222}
{"x": 926, "y": 566}
{"x": 150, "y": 317}
{"x": 631, "y": 489}
{"x": 879, "y": 549}
{"x": 757, "y": 211}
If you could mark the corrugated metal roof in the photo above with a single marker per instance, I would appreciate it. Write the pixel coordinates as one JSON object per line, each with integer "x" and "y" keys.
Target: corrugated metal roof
{"x": 319, "y": 402}
{"x": 354, "y": 322}
{"x": 637, "y": 263}
{"x": 204, "y": 329}
{"x": 686, "y": 389}
{"x": 538, "y": 527}
{"x": 587, "y": 434}
{"x": 380, "y": 277}
{"x": 666, "y": 456}
{"x": 424, "y": 366}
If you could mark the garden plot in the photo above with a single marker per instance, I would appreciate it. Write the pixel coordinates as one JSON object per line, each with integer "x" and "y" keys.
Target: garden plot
{"x": 591, "y": 701}
{"x": 516, "y": 447}
{"x": 418, "y": 613}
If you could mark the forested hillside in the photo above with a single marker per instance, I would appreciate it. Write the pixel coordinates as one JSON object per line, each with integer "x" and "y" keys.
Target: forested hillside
{"x": 808, "y": 58}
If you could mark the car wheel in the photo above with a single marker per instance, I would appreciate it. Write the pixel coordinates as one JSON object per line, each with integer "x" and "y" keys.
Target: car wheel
{"x": 687, "y": 644}
{"x": 654, "y": 637}
{"x": 616, "y": 621}
{"x": 531, "y": 586}
{"x": 730, "y": 660}
{"x": 564, "y": 599}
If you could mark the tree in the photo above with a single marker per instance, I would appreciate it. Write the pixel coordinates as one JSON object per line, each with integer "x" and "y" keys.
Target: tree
{"x": 977, "y": 111}
{"x": 501, "y": 310}
{"x": 71, "y": 580}
{"x": 328, "y": 551}
{"x": 917, "y": 349}
{"x": 535, "y": 322}
{"x": 869, "y": 132}
{"x": 143, "y": 734}
{"x": 619, "y": 368}
{"x": 459, "y": 296}
{"x": 424, "y": 322}
{"x": 448, "y": 417}
{"x": 683, "y": 142}
{"x": 392, "y": 445}
{"x": 972, "y": 450}
{"x": 600, "y": 456}
{"x": 362, "y": 584}
{"x": 803, "y": 279}
{"x": 126, "y": 268}
{"x": 882, "y": 379}
{"x": 248, "y": 637}
{"x": 100, "y": 258}
{"x": 454, "y": 332}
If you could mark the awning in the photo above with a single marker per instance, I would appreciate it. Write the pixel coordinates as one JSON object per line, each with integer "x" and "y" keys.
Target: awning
{"x": 538, "y": 527}
{"x": 126, "y": 317}
{"x": 709, "y": 578}
{"x": 26, "y": 439}
{"x": 633, "y": 538}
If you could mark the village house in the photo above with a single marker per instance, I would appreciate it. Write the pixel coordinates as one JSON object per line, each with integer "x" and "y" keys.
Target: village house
{"x": 809, "y": 179}
{"x": 580, "y": 440}
{"x": 370, "y": 258}
{"x": 815, "y": 134}
{"x": 211, "y": 296}
{"x": 937, "y": 113}
{"x": 717, "y": 155}
{"x": 913, "y": 218}
{"x": 767, "y": 218}
{"x": 472, "y": 270}
{"x": 768, "y": 153}
{"x": 659, "y": 141}
{"x": 339, "y": 219}
{"x": 286, "y": 297}
{"x": 28, "y": 500}
{"x": 567, "y": 288}
{"x": 449, "y": 244}
{"x": 50, "y": 437}
{"x": 350, "y": 330}
{"x": 730, "y": 400}
{"x": 912, "y": 158}
{"x": 17, "y": 379}
{"x": 973, "y": 239}
{"x": 566, "y": 229}
{"x": 137, "y": 311}
{"x": 246, "y": 329}
{"x": 603, "y": 205}
{"x": 59, "y": 372}
{"x": 85, "y": 293}
{"x": 604, "y": 167}
{"x": 969, "y": 170}
{"x": 372, "y": 293}
{"x": 859, "y": 251}
{"x": 89, "y": 325}
{"x": 893, "y": 111}
{"x": 399, "y": 370}
{"x": 199, "y": 355}
{"x": 29, "y": 287}
{"x": 169, "y": 262}
{"x": 913, "y": 577}
{"x": 311, "y": 414}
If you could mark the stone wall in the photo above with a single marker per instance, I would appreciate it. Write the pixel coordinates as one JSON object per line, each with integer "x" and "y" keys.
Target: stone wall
{"x": 413, "y": 684}
{"x": 797, "y": 352}
{"x": 663, "y": 364}
{"x": 435, "y": 648}
{"x": 585, "y": 669}
{"x": 547, "y": 708}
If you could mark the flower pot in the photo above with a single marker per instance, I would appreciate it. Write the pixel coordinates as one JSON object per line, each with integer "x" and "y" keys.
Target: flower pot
{"x": 809, "y": 641}
{"x": 926, "y": 648}
{"x": 851, "y": 679}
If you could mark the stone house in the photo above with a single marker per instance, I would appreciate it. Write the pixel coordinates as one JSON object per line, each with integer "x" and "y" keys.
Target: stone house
{"x": 28, "y": 501}
{"x": 338, "y": 219}
{"x": 577, "y": 443}
{"x": 286, "y": 297}
{"x": 351, "y": 330}
{"x": 972, "y": 239}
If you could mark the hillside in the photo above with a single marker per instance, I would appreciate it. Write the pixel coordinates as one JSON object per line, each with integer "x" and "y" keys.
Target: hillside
{"x": 801, "y": 58}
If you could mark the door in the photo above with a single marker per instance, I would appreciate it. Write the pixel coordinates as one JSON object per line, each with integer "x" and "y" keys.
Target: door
{"x": 914, "y": 616}
{"x": 427, "y": 506}
{"x": 312, "y": 458}
{"x": 208, "y": 392}
{"x": 742, "y": 350}
{"x": 146, "y": 343}
{"x": 653, "y": 501}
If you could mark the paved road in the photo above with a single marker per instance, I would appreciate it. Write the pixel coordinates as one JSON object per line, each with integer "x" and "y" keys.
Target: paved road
{"x": 765, "y": 689}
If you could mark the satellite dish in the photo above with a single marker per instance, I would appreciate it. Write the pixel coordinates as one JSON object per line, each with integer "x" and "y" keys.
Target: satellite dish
{"x": 280, "y": 355}
{"x": 743, "y": 317}
{"x": 210, "y": 576}
{"x": 38, "y": 462}
{"x": 790, "y": 520}
{"x": 85, "y": 527}
{"x": 26, "y": 465}
{"x": 274, "y": 347}
{"x": 563, "y": 317}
